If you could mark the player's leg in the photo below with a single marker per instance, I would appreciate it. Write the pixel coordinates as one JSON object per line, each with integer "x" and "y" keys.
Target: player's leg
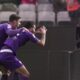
{"x": 4, "y": 73}
{"x": 0, "y": 75}
{"x": 23, "y": 73}
{"x": 14, "y": 64}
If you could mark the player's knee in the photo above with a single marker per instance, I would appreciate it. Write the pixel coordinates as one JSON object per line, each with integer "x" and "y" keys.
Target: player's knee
{"x": 28, "y": 74}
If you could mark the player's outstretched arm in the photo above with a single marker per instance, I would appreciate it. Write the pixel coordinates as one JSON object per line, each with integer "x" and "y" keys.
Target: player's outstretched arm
{"x": 42, "y": 30}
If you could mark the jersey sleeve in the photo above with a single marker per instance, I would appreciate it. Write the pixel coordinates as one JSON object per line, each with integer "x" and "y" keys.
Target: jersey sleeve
{"x": 32, "y": 37}
{"x": 10, "y": 31}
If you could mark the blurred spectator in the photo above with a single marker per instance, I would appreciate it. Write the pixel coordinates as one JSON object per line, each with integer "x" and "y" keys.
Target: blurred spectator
{"x": 73, "y": 7}
{"x": 59, "y": 5}
{"x": 28, "y": 1}
{"x": 74, "y": 11}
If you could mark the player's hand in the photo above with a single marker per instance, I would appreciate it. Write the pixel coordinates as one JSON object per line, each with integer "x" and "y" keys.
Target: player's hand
{"x": 41, "y": 30}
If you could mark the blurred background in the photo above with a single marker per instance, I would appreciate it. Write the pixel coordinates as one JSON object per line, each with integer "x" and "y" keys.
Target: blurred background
{"x": 59, "y": 59}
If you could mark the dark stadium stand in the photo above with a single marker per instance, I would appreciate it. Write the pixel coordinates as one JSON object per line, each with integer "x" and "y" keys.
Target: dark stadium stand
{"x": 17, "y": 2}
{"x": 9, "y": 7}
{"x": 60, "y": 58}
{"x": 63, "y": 18}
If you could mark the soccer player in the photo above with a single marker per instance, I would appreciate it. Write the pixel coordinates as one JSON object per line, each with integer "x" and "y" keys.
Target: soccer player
{"x": 9, "y": 29}
{"x": 8, "y": 52}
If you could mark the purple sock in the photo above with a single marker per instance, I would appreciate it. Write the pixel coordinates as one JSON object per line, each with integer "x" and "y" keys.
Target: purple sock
{"x": 21, "y": 77}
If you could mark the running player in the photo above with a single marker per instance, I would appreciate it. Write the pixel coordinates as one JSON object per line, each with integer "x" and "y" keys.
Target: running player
{"x": 9, "y": 29}
{"x": 8, "y": 52}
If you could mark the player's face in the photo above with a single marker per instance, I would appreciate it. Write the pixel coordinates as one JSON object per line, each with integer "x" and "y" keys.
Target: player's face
{"x": 33, "y": 29}
{"x": 18, "y": 22}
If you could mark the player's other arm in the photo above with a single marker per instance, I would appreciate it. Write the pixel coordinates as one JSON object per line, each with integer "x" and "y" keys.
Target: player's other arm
{"x": 12, "y": 32}
{"x": 42, "y": 31}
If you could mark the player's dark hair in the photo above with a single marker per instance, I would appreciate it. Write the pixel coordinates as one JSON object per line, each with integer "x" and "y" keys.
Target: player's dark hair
{"x": 28, "y": 24}
{"x": 13, "y": 17}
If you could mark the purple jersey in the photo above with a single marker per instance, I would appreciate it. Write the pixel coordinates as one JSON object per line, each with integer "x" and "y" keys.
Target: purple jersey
{"x": 20, "y": 39}
{"x": 5, "y": 30}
